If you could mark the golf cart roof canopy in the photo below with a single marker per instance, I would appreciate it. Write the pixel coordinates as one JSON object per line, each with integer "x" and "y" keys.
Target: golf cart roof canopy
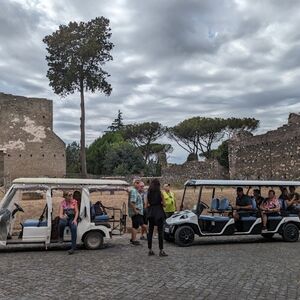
{"x": 236, "y": 183}
{"x": 70, "y": 182}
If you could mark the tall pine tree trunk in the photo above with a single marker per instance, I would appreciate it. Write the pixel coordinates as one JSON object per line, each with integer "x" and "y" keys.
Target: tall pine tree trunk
{"x": 82, "y": 133}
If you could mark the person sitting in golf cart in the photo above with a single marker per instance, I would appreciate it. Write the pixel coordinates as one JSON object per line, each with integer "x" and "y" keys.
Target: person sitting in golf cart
{"x": 257, "y": 197}
{"x": 68, "y": 214}
{"x": 242, "y": 204}
{"x": 270, "y": 207}
{"x": 293, "y": 201}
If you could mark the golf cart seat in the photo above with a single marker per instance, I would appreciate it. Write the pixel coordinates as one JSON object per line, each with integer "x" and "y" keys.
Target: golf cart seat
{"x": 35, "y": 223}
{"x": 214, "y": 205}
{"x": 275, "y": 218}
{"x": 293, "y": 215}
{"x": 213, "y": 218}
{"x": 101, "y": 218}
{"x": 219, "y": 205}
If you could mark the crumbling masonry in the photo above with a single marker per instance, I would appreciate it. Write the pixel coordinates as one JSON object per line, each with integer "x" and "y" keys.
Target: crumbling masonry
{"x": 28, "y": 145}
{"x": 273, "y": 155}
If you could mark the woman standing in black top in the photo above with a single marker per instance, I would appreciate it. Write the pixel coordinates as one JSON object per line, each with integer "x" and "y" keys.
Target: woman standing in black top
{"x": 156, "y": 215}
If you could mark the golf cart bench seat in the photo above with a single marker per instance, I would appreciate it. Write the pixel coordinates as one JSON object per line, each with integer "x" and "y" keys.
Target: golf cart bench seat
{"x": 219, "y": 206}
{"x": 274, "y": 217}
{"x": 213, "y": 218}
{"x": 34, "y": 223}
{"x": 248, "y": 218}
{"x": 101, "y": 218}
{"x": 293, "y": 215}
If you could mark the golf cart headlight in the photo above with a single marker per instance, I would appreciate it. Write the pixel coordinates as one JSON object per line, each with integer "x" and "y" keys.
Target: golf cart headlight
{"x": 184, "y": 217}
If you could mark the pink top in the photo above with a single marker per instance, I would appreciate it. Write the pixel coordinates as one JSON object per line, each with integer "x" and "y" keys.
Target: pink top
{"x": 69, "y": 207}
{"x": 271, "y": 203}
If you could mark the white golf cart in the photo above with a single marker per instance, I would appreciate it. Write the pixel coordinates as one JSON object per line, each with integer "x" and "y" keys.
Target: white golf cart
{"x": 218, "y": 220}
{"x": 38, "y": 222}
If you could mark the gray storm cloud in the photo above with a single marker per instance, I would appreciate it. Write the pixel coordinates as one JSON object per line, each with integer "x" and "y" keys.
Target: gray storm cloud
{"x": 172, "y": 60}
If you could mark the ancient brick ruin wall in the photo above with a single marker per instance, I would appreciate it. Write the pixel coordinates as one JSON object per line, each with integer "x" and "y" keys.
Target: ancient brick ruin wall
{"x": 274, "y": 155}
{"x": 209, "y": 169}
{"x": 32, "y": 148}
{"x": 2, "y": 155}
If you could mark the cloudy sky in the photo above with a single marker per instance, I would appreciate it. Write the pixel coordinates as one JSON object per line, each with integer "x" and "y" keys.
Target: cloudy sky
{"x": 172, "y": 60}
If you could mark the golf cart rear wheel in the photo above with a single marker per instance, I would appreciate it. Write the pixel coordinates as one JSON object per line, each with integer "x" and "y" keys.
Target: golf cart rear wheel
{"x": 93, "y": 240}
{"x": 290, "y": 233}
{"x": 184, "y": 236}
{"x": 268, "y": 236}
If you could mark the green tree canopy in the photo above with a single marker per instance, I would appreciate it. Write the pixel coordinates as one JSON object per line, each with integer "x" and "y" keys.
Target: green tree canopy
{"x": 221, "y": 154}
{"x": 97, "y": 151}
{"x": 143, "y": 135}
{"x": 76, "y": 55}
{"x": 123, "y": 159}
{"x": 235, "y": 125}
{"x": 117, "y": 124}
{"x": 73, "y": 157}
{"x": 198, "y": 134}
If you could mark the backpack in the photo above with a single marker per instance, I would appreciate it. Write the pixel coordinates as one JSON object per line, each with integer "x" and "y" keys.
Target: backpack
{"x": 98, "y": 209}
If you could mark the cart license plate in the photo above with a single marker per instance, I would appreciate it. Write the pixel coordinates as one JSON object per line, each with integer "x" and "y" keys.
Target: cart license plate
{"x": 167, "y": 229}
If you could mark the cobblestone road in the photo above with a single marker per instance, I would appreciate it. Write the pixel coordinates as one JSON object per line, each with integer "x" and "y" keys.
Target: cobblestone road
{"x": 226, "y": 268}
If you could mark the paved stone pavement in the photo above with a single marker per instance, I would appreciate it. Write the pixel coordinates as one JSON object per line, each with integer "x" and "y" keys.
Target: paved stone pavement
{"x": 214, "y": 268}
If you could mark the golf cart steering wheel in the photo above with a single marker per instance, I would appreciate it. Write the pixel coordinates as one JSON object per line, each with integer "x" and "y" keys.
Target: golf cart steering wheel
{"x": 204, "y": 205}
{"x": 19, "y": 207}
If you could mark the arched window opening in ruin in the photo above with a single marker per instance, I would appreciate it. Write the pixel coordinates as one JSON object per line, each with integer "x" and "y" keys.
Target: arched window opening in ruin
{"x": 30, "y": 155}
{"x": 43, "y": 155}
{"x": 20, "y": 155}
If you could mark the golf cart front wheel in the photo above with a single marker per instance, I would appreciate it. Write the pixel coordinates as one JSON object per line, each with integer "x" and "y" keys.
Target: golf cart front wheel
{"x": 93, "y": 240}
{"x": 290, "y": 233}
{"x": 184, "y": 236}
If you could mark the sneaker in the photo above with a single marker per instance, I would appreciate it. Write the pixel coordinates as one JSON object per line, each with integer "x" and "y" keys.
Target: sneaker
{"x": 143, "y": 238}
{"x": 150, "y": 253}
{"x": 264, "y": 229}
{"x": 135, "y": 243}
{"x": 71, "y": 251}
{"x": 162, "y": 253}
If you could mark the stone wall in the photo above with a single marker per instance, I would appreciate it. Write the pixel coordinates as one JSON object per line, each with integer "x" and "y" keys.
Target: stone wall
{"x": 209, "y": 169}
{"x": 273, "y": 155}
{"x": 32, "y": 148}
{"x": 2, "y": 154}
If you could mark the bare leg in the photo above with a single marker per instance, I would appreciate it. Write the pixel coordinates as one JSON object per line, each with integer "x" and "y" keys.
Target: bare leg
{"x": 144, "y": 230}
{"x": 264, "y": 219}
{"x": 236, "y": 216}
{"x": 133, "y": 234}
